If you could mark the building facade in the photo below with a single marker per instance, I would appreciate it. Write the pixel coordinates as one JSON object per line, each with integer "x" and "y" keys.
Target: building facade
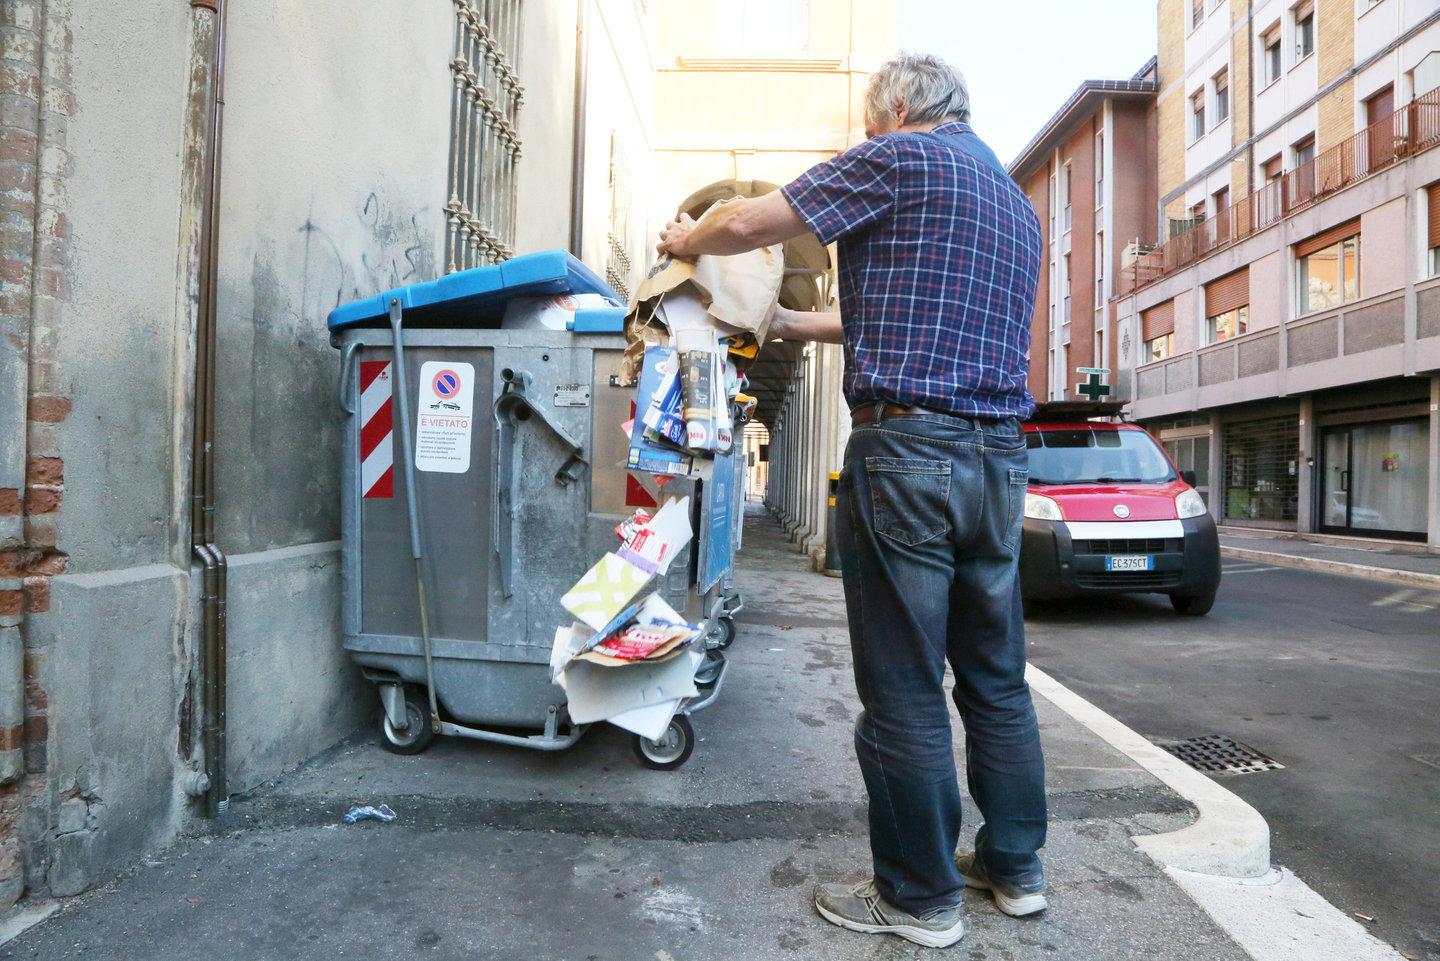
{"x": 1090, "y": 174}
{"x": 1282, "y": 337}
{"x": 169, "y": 429}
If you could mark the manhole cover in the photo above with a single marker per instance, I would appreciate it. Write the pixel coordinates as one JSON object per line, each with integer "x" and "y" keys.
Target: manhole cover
{"x": 1218, "y": 754}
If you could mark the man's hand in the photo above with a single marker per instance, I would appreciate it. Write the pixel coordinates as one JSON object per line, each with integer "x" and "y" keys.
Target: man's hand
{"x": 733, "y": 228}
{"x": 673, "y": 237}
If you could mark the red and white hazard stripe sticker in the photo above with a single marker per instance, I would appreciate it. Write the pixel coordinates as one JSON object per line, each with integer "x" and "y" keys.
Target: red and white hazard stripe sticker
{"x": 377, "y": 430}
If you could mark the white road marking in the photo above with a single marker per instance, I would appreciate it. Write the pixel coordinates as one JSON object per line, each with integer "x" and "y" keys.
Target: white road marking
{"x": 1281, "y": 918}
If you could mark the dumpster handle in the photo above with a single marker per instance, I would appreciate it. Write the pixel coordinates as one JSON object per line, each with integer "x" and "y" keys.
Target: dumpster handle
{"x": 411, "y": 504}
{"x": 511, "y": 408}
{"x": 345, "y": 404}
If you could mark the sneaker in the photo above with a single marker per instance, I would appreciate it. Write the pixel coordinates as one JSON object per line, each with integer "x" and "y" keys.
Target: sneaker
{"x": 1016, "y": 900}
{"x": 860, "y": 907}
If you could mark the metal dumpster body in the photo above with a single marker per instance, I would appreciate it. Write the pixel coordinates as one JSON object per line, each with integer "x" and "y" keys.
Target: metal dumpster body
{"x": 505, "y": 532}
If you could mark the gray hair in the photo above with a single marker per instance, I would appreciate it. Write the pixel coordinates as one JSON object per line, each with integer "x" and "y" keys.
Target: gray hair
{"x": 927, "y": 87}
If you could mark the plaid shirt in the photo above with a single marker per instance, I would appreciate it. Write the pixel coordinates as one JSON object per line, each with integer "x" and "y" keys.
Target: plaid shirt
{"x": 940, "y": 257}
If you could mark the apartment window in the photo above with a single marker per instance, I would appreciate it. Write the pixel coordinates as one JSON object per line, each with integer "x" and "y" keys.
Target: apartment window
{"x": 1197, "y": 115}
{"x": 1273, "y": 169}
{"x": 1197, "y": 13}
{"x": 1157, "y": 332}
{"x": 762, "y": 26}
{"x": 1067, "y": 185}
{"x": 484, "y": 143}
{"x": 1197, "y": 213}
{"x": 1069, "y": 286}
{"x": 1329, "y": 268}
{"x": 1304, "y": 151}
{"x": 1100, "y": 269}
{"x": 1274, "y": 63}
{"x": 1227, "y": 306}
{"x": 1222, "y": 96}
{"x": 1432, "y": 227}
{"x": 1099, "y": 170}
{"x": 1304, "y": 30}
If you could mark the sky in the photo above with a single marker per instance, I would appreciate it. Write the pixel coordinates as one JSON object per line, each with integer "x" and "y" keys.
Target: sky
{"x": 1023, "y": 58}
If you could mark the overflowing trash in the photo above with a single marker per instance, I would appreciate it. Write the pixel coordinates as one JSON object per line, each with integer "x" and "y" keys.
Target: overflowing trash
{"x": 369, "y": 813}
{"x": 628, "y": 657}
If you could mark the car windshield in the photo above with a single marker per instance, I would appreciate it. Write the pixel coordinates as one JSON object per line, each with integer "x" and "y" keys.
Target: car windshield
{"x": 1084, "y": 456}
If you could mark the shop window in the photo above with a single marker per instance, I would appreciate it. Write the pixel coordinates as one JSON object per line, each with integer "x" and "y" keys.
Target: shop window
{"x": 1329, "y": 275}
{"x": 1262, "y": 472}
{"x": 1192, "y": 453}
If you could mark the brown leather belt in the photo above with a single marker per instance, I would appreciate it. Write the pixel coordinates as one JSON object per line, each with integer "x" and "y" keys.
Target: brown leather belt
{"x": 866, "y": 414}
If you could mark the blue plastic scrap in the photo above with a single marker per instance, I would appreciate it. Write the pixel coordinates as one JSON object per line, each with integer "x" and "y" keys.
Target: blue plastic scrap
{"x": 366, "y": 813}
{"x": 477, "y": 297}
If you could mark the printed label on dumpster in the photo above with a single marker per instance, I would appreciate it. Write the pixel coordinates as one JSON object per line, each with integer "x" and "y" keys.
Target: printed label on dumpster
{"x": 572, "y": 395}
{"x": 443, "y": 418}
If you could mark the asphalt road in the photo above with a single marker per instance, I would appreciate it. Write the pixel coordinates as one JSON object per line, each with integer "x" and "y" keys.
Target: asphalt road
{"x": 1336, "y": 678}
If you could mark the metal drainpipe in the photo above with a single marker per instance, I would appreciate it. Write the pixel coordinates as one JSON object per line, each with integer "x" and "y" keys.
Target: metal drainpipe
{"x": 582, "y": 92}
{"x": 1250, "y": 93}
{"x": 202, "y": 478}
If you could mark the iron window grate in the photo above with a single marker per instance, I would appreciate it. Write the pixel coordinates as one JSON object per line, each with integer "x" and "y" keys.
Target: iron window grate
{"x": 1219, "y": 754}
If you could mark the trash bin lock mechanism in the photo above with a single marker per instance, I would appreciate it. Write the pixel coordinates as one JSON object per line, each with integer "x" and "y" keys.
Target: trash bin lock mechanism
{"x": 513, "y": 408}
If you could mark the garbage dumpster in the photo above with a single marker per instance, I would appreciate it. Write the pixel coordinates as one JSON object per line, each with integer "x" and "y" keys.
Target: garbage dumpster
{"x": 483, "y": 470}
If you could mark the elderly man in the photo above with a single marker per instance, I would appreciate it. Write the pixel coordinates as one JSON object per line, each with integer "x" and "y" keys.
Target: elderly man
{"x": 939, "y": 260}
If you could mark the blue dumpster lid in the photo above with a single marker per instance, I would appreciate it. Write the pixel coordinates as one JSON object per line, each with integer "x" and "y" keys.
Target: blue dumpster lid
{"x": 475, "y": 297}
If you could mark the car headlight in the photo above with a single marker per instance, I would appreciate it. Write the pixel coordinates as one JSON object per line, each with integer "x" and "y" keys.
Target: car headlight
{"x": 1042, "y": 508}
{"x": 1190, "y": 504}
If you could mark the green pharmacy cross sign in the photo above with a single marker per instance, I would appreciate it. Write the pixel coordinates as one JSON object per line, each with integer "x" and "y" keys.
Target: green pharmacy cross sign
{"x": 1095, "y": 388}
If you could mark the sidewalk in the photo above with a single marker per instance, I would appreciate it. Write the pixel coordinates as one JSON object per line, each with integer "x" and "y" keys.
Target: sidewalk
{"x": 585, "y": 856}
{"x": 1378, "y": 561}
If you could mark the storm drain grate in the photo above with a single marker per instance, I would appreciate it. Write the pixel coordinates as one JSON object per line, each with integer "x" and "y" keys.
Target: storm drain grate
{"x": 1218, "y": 754}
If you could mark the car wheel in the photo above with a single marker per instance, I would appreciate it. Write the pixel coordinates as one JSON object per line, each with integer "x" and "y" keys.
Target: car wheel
{"x": 1193, "y": 605}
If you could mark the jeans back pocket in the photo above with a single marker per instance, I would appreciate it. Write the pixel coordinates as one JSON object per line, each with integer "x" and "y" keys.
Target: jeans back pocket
{"x": 909, "y": 498}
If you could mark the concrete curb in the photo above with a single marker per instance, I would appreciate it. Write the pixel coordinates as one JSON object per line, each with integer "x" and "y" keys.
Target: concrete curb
{"x": 1229, "y": 839}
{"x": 1222, "y": 861}
{"x": 1407, "y": 578}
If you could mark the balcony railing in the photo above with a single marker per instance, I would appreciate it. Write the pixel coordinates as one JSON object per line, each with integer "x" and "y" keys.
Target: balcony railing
{"x": 1413, "y": 128}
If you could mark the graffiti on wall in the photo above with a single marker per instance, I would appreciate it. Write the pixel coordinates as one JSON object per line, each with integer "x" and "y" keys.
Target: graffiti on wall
{"x": 382, "y": 246}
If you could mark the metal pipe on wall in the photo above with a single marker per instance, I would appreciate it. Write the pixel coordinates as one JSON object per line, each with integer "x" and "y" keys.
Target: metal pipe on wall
{"x": 202, "y": 479}
{"x": 582, "y": 89}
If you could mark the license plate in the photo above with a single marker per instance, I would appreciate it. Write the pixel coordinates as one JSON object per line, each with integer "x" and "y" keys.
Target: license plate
{"x": 1129, "y": 562}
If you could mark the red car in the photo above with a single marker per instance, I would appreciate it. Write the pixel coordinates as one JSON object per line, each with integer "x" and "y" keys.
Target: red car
{"x": 1106, "y": 511}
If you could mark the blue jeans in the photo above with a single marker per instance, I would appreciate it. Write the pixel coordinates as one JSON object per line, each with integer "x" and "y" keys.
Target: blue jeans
{"x": 929, "y": 516}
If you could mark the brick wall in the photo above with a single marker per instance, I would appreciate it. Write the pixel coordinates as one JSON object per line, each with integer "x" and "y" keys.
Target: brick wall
{"x": 1037, "y": 188}
{"x": 35, "y": 106}
{"x": 1174, "y": 20}
{"x": 1335, "y": 50}
{"x": 1240, "y": 104}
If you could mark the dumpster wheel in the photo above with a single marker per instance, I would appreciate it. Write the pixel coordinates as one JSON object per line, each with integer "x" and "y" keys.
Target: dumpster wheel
{"x": 417, "y": 734}
{"x": 672, "y": 749}
{"x": 721, "y": 634}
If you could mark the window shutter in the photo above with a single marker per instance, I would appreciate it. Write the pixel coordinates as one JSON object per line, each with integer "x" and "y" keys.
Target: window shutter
{"x": 1434, "y": 222}
{"x": 1158, "y": 321}
{"x": 1329, "y": 238}
{"x": 1303, "y": 10}
{"x": 1228, "y": 293}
